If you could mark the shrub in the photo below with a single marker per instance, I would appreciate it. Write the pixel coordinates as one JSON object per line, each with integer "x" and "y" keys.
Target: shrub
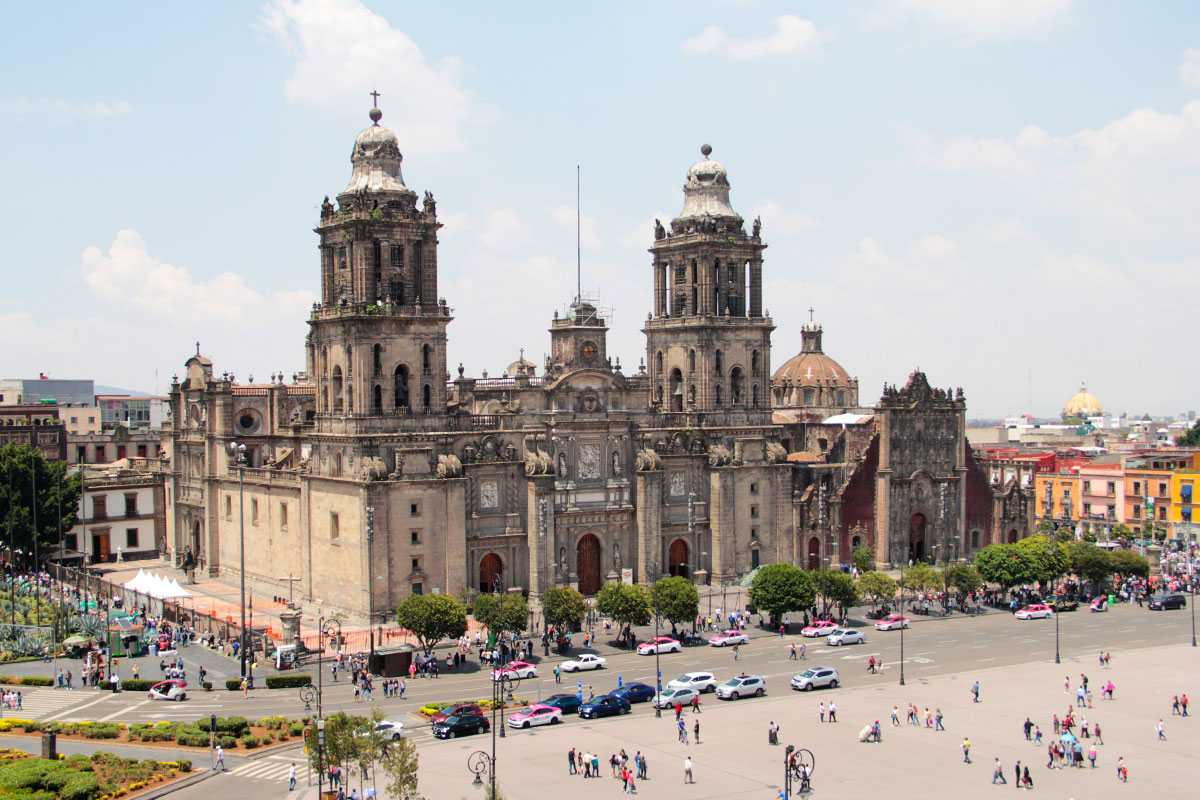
{"x": 233, "y": 726}
{"x": 206, "y": 685}
{"x": 288, "y": 681}
{"x": 104, "y": 731}
{"x": 233, "y": 684}
{"x": 34, "y": 727}
{"x": 136, "y": 685}
{"x": 273, "y": 723}
{"x": 249, "y": 742}
{"x": 191, "y": 739}
{"x": 185, "y": 765}
{"x": 227, "y": 742}
{"x": 296, "y": 729}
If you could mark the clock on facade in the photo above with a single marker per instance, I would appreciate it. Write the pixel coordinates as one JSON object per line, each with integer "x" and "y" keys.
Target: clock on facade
{"x": 589, "y": 351}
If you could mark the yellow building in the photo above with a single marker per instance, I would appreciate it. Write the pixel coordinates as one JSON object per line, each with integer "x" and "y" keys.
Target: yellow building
{"x": 1184, "y": 485}
{"x": 1148, "y": 496}
{"x": 1058, "y": 497}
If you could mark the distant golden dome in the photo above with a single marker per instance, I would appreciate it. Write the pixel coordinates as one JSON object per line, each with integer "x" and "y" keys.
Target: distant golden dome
{"x": 1083, "y": 404}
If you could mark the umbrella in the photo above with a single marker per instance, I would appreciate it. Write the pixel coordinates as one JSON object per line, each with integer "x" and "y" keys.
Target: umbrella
{"x": 78, "y": 638}
{"x": 1068, "y": 737}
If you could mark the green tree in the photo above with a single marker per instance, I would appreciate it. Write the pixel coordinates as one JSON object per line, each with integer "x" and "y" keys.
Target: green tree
{"x": 347, "y": 741}
{"x": 432, "y": 617}
{"x": 1063, "y": 536}
{"x": 1127, "y": 563}
{"x": 398, "y": 759}
{"x": 676, "y": 599}
{"x": 1189, "y": 439}
{"x": 998, "y": 563}
{"x": 782, "y": 588}
{"x": 1044, "y": 560}
{"x": 1044, "y": 527}
{"x": 877, "y": 586}
{"x": 627, "y": 604}
{"x": 21, "y": 468}
{"x": 834, "y": 588}
{"x": 1090, "y": 563}
{"x": 1122, "y": 532}
{"x": 863, "y": 559}
{"x": 564, "y": 607}
{"x": 502, "y": 612}
{"x": 921, "y": 577}
{"x": 965, "y": 578}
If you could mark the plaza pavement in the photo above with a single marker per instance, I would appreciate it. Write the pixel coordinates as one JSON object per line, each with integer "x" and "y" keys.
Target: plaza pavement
{"x": 735, "y": 761}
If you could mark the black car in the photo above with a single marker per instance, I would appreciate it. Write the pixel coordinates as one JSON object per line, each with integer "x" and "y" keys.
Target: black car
{"x": 1165, "y": 601}
{"x": 605, "y": 706}
{"x": 569, "y": 703}
{"x": 1062, "y": 605}
{"x": 460, "y": 725}
{"x": 634, "y": 692}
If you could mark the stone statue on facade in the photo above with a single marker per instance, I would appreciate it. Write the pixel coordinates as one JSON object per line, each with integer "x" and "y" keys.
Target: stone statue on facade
{"x": 757, "y": 227}
{"x": 659, "y": 231}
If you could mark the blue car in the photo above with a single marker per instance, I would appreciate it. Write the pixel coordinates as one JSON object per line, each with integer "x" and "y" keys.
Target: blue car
{"x": 606, "y": 706}
{"x": 634, "y": 692}
{"x": 569, "y": 703}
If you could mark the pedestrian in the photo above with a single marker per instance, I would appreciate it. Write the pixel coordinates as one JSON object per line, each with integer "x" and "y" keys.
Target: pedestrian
{"x": 998, "y": 773}
{"x": 938, "y": 719}
{"x": 695, "y": 704}
{"x": 245, "y": 687}
{"x": 292, "y": 778}
{"x": 975, "y": 692}
{"x": 1122, "y": 773}
{"x": 1092, "y": 755}
{"x": 928, "y": 717}
{"x": 822, "y": 712}
{"x": 791, "y": 657}
{"x": 687, "y": 770}
{"x": 1175, "y": 706}
{"x": 803, "y": 651}
{"x": 1027, "y": 781}
{"x": 682, "y": 731}
{"x": 782, "y": 628}
{"x": 219, "y": 764}
{"x": 644, "y": 776}
{"x": 1017, "y": 779}
{"x": 403, "y": 689}
{"x": 696, "y": 731}
{"x": 571, "y": 762}
{"x": 966, "y": 748}
{"x": 1037, "y": 735}
{"x": 1162, "y": 737}
{"x": 678, "y": 710}
{"x": 871, "y": 665}
{"x": 895, "y": 716}
{"x": 832, "y": 712}
{"x": 558, "y": 673}
{"x": 1067, "y": 685}
{"x": 1096, "y": 733}
{"x": 1028, "y": 726}
{"x": 587, "y": 765}
{"x": 1183, "y": 702}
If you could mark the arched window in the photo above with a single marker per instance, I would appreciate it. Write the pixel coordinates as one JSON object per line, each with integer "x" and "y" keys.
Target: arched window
{"x": 658, "y": 363}
{"x": 810, "y": 397}
{"x": 754, "y": 396}
{"x": 719, "y": 367}
{"x": 337, "y": 463}
{"x": 974, "y": 540}
{"x": 401, "y": 387}
{"x": 691, "y": 361}
{"x": 841, "y": 398}
{"x": 719, "y": 397}
{"x": 337, "y": 389}
{"x": 676, "y": 390}
{"x": 426, "y": 364}
{"x": 325, "y": 361}
{"x": 377, "y": 359}
{"x": 737, "y": 386}
{"x": 426, "y": 396}
{"x": 377, "y": 406}
{"x": 754, "y": 362}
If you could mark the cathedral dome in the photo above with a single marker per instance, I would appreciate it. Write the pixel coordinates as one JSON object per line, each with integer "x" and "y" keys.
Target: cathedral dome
{"x": 522, "y": 366}
{"x": 706, "y": 192}
{"x": 376, "y": 158}
{"x": 1083, "y": 404}
{"x": 811, "y": 378}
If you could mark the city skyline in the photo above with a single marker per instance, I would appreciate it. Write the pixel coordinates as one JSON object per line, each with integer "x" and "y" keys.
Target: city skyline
{"x": 993, "y": 192}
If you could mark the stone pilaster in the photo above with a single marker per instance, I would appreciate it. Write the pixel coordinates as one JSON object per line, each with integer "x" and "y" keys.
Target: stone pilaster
{"x": 649, "y": 502}
{"x": 541, "y": 544}
{"x": 721, "y": 522}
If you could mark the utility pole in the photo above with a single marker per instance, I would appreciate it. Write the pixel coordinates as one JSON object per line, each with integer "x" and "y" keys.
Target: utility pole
{"x": 370, "y": 584}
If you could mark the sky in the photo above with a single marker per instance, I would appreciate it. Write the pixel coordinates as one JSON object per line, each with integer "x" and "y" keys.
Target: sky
{"x": 998, "y": 192}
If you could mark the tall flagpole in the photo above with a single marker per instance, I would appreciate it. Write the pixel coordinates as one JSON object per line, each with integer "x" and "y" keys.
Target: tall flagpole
{"x": 578, "y": 245}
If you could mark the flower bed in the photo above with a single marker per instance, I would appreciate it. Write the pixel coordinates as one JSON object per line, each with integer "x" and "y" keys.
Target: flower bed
{"x": 100, "y": 776}
{"x": 231, "y": 733}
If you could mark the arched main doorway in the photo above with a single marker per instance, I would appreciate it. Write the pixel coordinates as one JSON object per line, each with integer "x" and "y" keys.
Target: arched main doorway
{"x": 587, "y": 564}
{"x": 814, "y": 553}
{"x": 916, "y": 537}
{"x": 489, "y": 568}
{"x": 1012, "y": 536}
{"x": 677, "y": 558}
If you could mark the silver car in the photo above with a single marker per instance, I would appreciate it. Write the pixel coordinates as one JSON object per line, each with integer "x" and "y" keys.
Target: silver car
{"x": 815, "y": 678}
{"x": 742, "y": 686}
{"x": 845, "y": 636}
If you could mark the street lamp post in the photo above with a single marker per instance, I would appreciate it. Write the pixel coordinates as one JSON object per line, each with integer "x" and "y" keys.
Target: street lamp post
{"x": 654, "y": 569}
{"x": 371, "y": 585}
{"x": 332, "y": 629}
{"x": 1192, "y": 567}
{"x": 903, "y": 624}
{"x": 480, "y": 762}
{"x": 238, "y": 453}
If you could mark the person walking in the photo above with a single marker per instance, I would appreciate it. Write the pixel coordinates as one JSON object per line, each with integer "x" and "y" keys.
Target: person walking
{"x": 938, "y": 720}
{"x": 1122, "y": 773}
{"x": 966, "y": 748}
{"x": 245, "y": 688}
{"x": 793, "y": 656}
{"x": 1028, "y": 726}
{"x": 696, "y": 731}
{"x": 219, "y": 764}
{"x": 735, "y": 652}
{"x": 803, "y": 653}
{"x": 871, "y": 666}
{"x": 682, "y": 731}
{"x": 998, "y": 773}
{"x": 975, "y": 692}
{"x": 1175, "y": 706}
{"x": 687, "y": 770}
{"x": 821, "y": 711}
{"x": 1017, "y": 778}
{"x": 832, "y": 712}
{"x": 678, "y": 710}
{"x": 895, "y": 716}
{"x": 557, "y": 673}
{"x": 292, "y": 778}
{"x": 1037, "y": 735}
{"x": 695, "y": 704}
{"x": 571, "y": 770}
{"x": 1092, "y": 755}
{"x": 1162, "y": 736}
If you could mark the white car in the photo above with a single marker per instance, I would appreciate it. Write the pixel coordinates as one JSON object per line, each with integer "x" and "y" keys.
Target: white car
{"x": 891, "y": 622}
{"x": 172, "y": 689}
{"x": 659, "y": 644}
{"x": 742, "y": 686}
{"x": 845, "y": 636}
{"x": 536, "y": 714}
{"x": 585, "y": 661}
{"x": 700, "y": 681}
{"x": 815, "y": 678}
{"x": 1099, "y": 604}
{"x": 390, "y": 729}
{"x": 1035, "y": 611}
{"x": 670, "y": 697}
{"x": 728, "y": 639}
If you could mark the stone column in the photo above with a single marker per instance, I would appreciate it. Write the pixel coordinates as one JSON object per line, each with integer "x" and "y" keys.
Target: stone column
{"x": 755, "y": 291}
{"x": 721, "y": 524}
{"x": 883, "y": 493}
{"x": 648, "y": 502}
{"x": 541, "y": 544}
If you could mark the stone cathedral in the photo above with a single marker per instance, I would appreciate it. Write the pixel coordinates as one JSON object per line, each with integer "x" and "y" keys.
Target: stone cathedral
{"x": 377, "y": 473}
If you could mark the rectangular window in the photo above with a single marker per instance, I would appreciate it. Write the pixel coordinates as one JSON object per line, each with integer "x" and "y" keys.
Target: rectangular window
{"x": 228, "y": 506}
{"x": 283, "y": 516}
{"x": 754, "y": 488}
{"x": 1185, "y": 491}
{"x": 141, "y": 451}
{"x": 71, "y": 541}
{"x": 253, "y": 512}
{"x": 754, "y": 512}
{"x": 416, "y": 588}
{"x": 131, "y": 509}
{"x": 1112, "y": 512}
{"x": 1087, "y": 487}
{"x": 416, "y": 564}
{"x": 1186, "y": 514}
{"x": 131, "y": 538}
{"x": 416, "y": 537}
{"x": 335, "y": 530}
{"x": 1137, "y": 512}
{"x": 1137, "y": 487}
{"x": 99, "y": 507}
{"x": 1162, "y": 513}
{"x": 1162, "y": 490}
{"x": 414, "y": 510}
{"x": 74, "y": 420}
{"x": 1112, "y": 489}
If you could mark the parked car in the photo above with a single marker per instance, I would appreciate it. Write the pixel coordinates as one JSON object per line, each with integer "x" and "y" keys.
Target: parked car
{"x": 604, "y": 706}
{"x": 455, "y": 709}
{"x": 700, "y": 681}
{"x": 389, "y": 729}
{"x": 742, "y": 686}
{"x": 815, "y": 678}
{"x": 891, "y": 622}
{"x": 515, "y": 669}
{"x": 536, "y": 714}
{"x": 634, "y": 692}
{"x": 569, "y": 703}
{"x": 1035, "y": 611}
{"x": 169, "y": 690}
{"x": 728, "y": 639}
{"x": 585, "y": 661}
{"x": 843, "y": 636}
{"x": 1165, "y": 601}
{"x": 822, "y": 627}
{"x": 659, "y": 644}
{"x": 670, "y": 697}
{"x": 461, "y": 725}
{"x": 1058, "y": 606}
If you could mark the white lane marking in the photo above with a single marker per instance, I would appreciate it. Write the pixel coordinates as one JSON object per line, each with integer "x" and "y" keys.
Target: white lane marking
{"x": 127, "y": 710}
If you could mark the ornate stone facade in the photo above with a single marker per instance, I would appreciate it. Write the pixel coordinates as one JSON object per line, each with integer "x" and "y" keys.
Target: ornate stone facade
{"x": 575, "y": 477}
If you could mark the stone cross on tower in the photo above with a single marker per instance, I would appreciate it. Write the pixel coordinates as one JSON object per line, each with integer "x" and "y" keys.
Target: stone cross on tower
{"x": 810, "y": 313}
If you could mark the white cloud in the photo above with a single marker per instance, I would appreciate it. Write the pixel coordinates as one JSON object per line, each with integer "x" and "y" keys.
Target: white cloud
{"x": 339, "y": 47}
{"x": 1189, "y": 69}
{"x": 504, "y": 231}
{"x": 564, "y": 218}
{"x": 641, "y": 234}
{"x": 776, "y": 221}
{"x": 972, "y": 21}
{"x": 793, "y": 36}
{"x": 60, "y": 107}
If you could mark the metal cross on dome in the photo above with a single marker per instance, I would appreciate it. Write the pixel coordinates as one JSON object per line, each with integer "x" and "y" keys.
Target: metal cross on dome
{"x": 375, "y": 97}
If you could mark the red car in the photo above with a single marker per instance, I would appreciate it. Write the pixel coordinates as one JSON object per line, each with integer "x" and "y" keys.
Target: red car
{"x": 455, "y": 710}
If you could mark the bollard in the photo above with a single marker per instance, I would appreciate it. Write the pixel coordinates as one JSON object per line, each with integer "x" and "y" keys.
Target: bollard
{"x": 50, "y": 745}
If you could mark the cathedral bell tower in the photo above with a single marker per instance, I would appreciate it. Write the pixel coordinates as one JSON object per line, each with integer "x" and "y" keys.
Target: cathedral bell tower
{"x": 707, "y": 343}
{"x": 377, "y": 341}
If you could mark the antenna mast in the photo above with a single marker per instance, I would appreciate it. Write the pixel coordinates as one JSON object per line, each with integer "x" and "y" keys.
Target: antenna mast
{"x": 578, "y": 247}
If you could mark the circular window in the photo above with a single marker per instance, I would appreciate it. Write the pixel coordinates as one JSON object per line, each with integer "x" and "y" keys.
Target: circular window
{"x": 247, "y": 421}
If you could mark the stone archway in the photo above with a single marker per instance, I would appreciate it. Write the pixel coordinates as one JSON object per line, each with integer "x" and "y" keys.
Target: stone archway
{"x": 196, "y": 551}
{"x": 490, "y": 566}
{"x": 916, "y": 537}
{"x": 814, "y": 553}
{"x": 677, "y": 558}
{"x": 1012, "y": 536}
{"x": 587, "y": 564}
